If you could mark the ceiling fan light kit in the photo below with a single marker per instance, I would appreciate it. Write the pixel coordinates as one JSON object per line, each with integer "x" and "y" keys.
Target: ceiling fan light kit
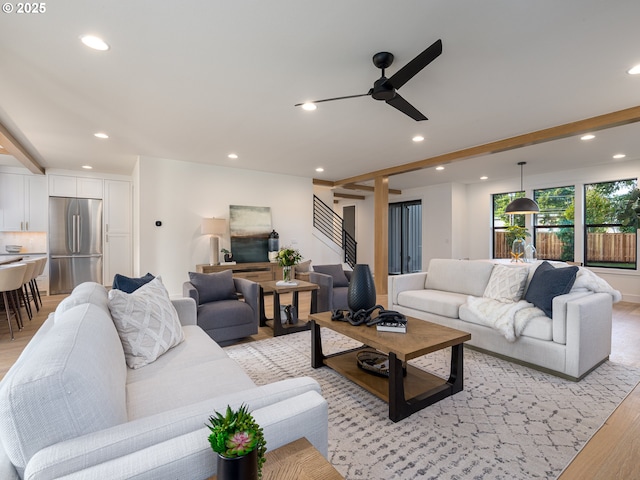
{"x": 522, "y": 205}
{"x": 386, "y": 89}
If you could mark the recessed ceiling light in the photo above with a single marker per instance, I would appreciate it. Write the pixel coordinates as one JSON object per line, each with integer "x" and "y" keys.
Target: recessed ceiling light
{"x": 619, "y": 155}
{"x": 233, "y": 156}
{"x": 94, "y": 42}
{"x": 418, "y": 138}
{"x": 87, "y": 167}
{"x": 319, "y": 169}
{"x": 484, "y": 177}
{"x": 440, "y": 168}
{"x": 634, "y": 70}
{"x": 101, "y": 135}
{"x": 588, "y": 136}
{"x": 309, "y": 106}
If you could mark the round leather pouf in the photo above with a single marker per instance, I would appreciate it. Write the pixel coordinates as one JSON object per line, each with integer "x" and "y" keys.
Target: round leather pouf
{"x": 362, "y": 291}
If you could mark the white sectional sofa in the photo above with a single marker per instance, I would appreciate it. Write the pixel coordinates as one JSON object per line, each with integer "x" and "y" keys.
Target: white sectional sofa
{"x": 571, "y": 342}
{"x": 71, "y": 408}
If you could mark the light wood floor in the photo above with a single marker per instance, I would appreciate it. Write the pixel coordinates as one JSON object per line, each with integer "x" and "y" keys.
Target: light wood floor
{"x": 611, "y": 454}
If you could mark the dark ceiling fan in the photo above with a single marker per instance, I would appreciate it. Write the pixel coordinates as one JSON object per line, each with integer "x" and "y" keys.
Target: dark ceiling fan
{"x": 386, "y": 88}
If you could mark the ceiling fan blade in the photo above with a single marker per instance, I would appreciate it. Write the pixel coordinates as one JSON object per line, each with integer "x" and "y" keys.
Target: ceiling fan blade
{"x": 336, "y": 98}
{"x": 407, "y": 72}
{"x": 406, "y": 108}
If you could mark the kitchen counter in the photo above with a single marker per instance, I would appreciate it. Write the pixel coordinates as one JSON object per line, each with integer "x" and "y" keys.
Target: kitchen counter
{"x": 5, "y": 259}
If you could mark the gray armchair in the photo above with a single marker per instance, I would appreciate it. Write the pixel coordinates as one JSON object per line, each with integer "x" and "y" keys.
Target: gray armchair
{"x": 333, "y": 281}
{"x": 221, "y": 313}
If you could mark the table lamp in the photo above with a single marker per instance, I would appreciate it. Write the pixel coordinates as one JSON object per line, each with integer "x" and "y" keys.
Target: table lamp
{"x": 213, "y": 227}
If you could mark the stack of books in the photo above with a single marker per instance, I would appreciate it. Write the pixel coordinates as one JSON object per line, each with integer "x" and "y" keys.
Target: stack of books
{"x": 392, "y": 326}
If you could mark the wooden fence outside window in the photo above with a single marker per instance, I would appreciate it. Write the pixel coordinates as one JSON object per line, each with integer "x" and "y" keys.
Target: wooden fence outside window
{"x": 602, "y": 247}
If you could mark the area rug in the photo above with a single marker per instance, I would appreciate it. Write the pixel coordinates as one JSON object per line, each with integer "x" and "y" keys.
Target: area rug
{"x": 510, "y": 422}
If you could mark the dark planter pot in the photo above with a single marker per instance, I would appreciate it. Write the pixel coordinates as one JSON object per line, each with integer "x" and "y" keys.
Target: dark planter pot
{"x": 362, "y": 291}
{"x": 228, "y": 257}
{"x": 245, "y": 468}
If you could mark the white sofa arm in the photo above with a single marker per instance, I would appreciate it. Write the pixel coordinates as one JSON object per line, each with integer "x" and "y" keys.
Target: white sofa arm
{"x": 400, "y": 283}
{"x": 190, "y": 455}
{"x": 559, "y": 311}
{"x": 588, "y": 332}
{"x": 80, "y": 453}
{"x": 187, "y": 310}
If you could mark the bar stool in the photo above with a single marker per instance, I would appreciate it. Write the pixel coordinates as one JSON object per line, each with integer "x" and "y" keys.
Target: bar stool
{"x": 11, "y": 280}
{"x": 24, "y": 288}
{"x": 41, "y": 263}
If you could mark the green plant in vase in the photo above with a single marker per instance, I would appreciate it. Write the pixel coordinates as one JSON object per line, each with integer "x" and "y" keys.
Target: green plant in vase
{"x": 287, "y": 258}
{"x": 236, "y": 434}
{"x": 228, "y": 256}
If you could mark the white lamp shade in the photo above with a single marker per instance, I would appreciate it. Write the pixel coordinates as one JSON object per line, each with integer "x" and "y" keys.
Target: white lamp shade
{"x": 213, "y": 226}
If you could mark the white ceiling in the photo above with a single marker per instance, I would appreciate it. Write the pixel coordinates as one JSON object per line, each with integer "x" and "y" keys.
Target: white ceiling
{"x": 197, "y": 80}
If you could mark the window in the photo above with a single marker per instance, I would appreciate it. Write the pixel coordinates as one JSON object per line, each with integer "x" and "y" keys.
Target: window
{"x": 608, "y": 242}
{"x": 405, "y": 237}
{"x": 502, "y": 239}
{"x": 553, "y": 228}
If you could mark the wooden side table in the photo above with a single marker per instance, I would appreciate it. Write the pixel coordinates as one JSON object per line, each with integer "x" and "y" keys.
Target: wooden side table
{"x": 272, "y": 287}
{"x": 297, "y": 460}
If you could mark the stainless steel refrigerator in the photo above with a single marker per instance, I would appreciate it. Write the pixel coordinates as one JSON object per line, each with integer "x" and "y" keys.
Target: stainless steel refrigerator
{"x": 75, "y": 242}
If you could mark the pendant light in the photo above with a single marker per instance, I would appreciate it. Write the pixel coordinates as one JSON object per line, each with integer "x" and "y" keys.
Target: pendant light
{"x": 522, "y": 205}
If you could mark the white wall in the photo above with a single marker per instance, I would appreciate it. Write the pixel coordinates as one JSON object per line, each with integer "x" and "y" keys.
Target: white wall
{"x": 180, "y": 194}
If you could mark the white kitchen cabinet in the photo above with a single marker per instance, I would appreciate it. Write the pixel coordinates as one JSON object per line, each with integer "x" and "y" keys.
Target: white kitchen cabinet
{"x": 77, "y": 187}
{"x": 23, "y": 203}
{"x": 118, "y": 247}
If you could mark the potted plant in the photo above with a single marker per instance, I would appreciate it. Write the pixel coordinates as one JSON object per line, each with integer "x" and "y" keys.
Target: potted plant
{"x": 228, "y": 256}
{"x": 287, "y": 258}
{"x": 239, "y": 442}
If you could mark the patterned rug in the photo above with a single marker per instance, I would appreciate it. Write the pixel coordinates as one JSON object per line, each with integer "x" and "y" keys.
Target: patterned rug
{"x": 510, "y": 422}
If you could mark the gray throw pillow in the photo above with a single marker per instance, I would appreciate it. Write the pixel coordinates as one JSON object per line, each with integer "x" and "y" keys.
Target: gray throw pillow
{"x": 335, "y": 271}
{"x": 549, "y": 282}
{"x": 213, "y": 287}
{"x": 303, "y": 266}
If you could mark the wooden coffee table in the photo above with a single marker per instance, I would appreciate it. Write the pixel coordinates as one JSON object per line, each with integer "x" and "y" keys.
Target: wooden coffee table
{"x": 405, "y": 394}
{"x": 275, "y": 323}
{"x": 297, "y": 460}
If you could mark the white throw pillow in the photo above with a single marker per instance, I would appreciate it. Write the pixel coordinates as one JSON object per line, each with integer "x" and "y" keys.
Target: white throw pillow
{"x": 147, "y": 322}
{"x": 506, "y": 284}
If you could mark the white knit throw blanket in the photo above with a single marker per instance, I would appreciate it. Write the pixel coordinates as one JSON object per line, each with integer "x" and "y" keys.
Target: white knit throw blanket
{"x": 510, "y": 319}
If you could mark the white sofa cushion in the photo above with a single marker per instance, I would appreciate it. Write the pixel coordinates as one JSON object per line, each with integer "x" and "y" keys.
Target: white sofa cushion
{"x": 78, "y": 381}
{"x": 433, "y": 301}
{"x": 539, "y": 327}
{"x": 147, "y": 322}
{"x": 468, "y": 277}
{"x": 506, "y": 283}
{"x": 88, "y": 292}
{"x": 199, "y": 365}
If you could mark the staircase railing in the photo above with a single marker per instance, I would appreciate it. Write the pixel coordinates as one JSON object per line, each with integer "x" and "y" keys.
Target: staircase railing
{"x": 331, "y": 225}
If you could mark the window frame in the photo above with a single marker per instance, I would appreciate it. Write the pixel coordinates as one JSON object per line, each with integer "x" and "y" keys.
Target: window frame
{"x": 537, "y": 226}
{"x": 514, "y": 219}
{"x": 633, "y": 266}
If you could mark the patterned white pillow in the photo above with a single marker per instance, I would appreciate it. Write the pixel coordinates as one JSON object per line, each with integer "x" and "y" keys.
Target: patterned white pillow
{"x": 506, "y": 284}
{"x": 147, "y": 322}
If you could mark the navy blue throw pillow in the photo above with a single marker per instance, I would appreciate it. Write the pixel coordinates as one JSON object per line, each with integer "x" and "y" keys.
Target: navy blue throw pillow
{"x": 549, "y": 282}
{"x": 128, "y": 284}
